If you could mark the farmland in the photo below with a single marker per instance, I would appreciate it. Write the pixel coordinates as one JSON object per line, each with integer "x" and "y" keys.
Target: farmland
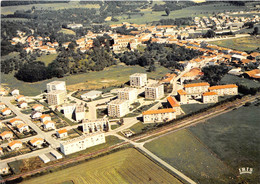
{"x": 234, "y": 137}
{"x": 228, "y": 79}
{"x": 127, "y": 166}
{"x": 67, "y": 31}
{"x": 241, "y": 44}
{"x": 187, "y": 154}
{"x": 114, "y": 75}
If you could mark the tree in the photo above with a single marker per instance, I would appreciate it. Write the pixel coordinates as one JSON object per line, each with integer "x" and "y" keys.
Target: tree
{"x": 255, "y": 32}
{"x": 152, "y": 68}
{"x": 210, "y": 34}
{"x": 167, "y": 11}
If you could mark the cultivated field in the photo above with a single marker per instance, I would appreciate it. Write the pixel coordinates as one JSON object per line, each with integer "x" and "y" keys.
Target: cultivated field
{"x": 127, "y": 166}
{"x": 67, "y": 31}
{"x": 114, "y": 75}
{"x": 187, "y": 154}
{"x": 241, "y": 44}
{"x": 228, "y": 79}
{"x": 234, "y": 137}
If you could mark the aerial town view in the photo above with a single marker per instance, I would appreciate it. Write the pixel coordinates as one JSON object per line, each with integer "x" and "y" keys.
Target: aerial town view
{"x": 145, "y": 91}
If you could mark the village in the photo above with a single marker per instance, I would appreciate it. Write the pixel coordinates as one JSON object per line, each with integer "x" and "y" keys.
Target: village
{"x": 56, "y": 123}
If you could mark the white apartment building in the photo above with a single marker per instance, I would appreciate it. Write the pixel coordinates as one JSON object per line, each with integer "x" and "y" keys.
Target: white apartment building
{"x": 159, "y": 115}
{"x": 182, "y": 95}
{"x": 98, "y": 125}
{"x": 81, "y": 143}
{"x": 129, "y": 94}
{"x": 68, "y": 109}
{"x": 118, "y": 108}
{"x": 79, "y": 113}
{"x": 154, "y": 91}
{"x": 210, "y": 97}
{"x": 56, "y": 97}
{"x": 138, "y": 80}
{"x": 196, "y": 89}
{"x": 221, "y": 90}
{"x": 56, "y": 85}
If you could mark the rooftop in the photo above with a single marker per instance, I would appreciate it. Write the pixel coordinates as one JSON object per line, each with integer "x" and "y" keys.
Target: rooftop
{"x": 181, "y": 92}
{"x": 173, "y": 102}
{"x": 196, "y": 84}
{"x": 159, "y": 111}
{"x": 209, "y": 93}
{"x": 223, "y": 86}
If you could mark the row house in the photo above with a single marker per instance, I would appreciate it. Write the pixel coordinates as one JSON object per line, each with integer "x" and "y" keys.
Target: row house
{"x": 98, "y": 125}
{"x": 210, "y": 97}
{"x": 159, "y": 115}
{"x": 221, "y": 90}
{"x": 196, "y": 89}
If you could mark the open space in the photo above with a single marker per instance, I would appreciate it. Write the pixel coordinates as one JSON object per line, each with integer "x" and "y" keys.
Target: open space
{"x": 232, "y": 79}
{"x": 241, "y": 44}
{"x": 234, "y": 137}
{"x": 111, "y": 76}
{"x": 126, "y": 166}
{"x": 187, "y": 154}
{"x": 47, "y": 58}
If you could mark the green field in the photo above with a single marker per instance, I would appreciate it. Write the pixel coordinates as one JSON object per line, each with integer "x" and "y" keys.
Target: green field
{"x": 234, "y": 137}
{"x": 189, "y": 108}
{"x": 67, "y": 31}
{"x": 193, "y": 11}
{"x": 114, "y": 75}
{"x": 47, "y": 58}
{"x": 139, "y": 127}
{"x": 187, "y": 154}
{"x": 228, "y": 79}
{"x": 126, "y": 166}
{"x": 241, "y": 44}
{"x": 51, "y": 6}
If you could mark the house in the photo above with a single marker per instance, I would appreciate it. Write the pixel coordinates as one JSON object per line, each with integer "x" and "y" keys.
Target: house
{"x": 2, "y": 105}
{"x": 79, "y": 113}
{"x": 15, "y": 92}
{"x": 47, "y": 125}
{"x": 38, "y": 107}
{"x": 3, "y": 91}
{"x": 15, "y": 145}
{"x": 45, "y": 117}
{"x": 62, "y": 133}
{"x": 6, "y": 135}
{"x": 22, "y": 127}
{"x": 6, "y": 111}
{"x": 4, "y": 168}
{"x": 37, "y": 142}
{"x": 168, "y": 78}
{"x": 91, "y": 95}
{"x": 159, "y": 115}
{"x": 221, "y": 90}
{"x": 36, "y": 115}
{"x": 22, "y": 104}
{"x": 253, "y": 74}
{"x": 1, "y": 151}
{"x": 194, "y": 73}
{"x": 210, "y": 97}
{"x": 20, "y": 98}
{"x": 15, "y": 121}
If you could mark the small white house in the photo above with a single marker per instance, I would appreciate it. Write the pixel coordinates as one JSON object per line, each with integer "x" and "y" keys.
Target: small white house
{"x": 20, "y": 98}
{"x": 15, "y": 121}
{"x": 37, "y": 142}
{"x": 15, "y": 92}
{"x": 6, "y": 111}
{"x": 2, "y": 105}
{"x": 47, "y": 125}
{"x": 15, "y": 145}
{"x": 91, "y": 95}
{"x": 4, "y": 169}
{"x": 6, "y": 135}
{"x": 22, "y": 104}
{"x": 38, "y": 107}
{"x": 22, "y": 127}
{"x": 62, "y": 133}
{"x": 45, "y": 117}
{"x": 36, "y": 115}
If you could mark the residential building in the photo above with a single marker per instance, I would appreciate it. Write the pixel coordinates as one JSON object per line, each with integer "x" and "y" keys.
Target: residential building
{"x": 154, "y": 91}
{"x": 68, "y": 109}
{"x": 15, "y": 92}
{"x": 91, "y": 126}
{"x": 210, "y": 97}
{"x": 38, "y": 107}
{"x": 138, "y": 80}
{"x": 2, "y": 105}
{"x": 159, "y": 115}
{"x": 56, "y": 86}
{"x": 36, "y": 115}
{"x": 4, "y": 168}
{"x": 196, "y": 89}
{"x": 62, "y": 133}
{"x": 15, "y": 145}
{"x": 79, "y": 113}
{"x": 91, "y": 95}
{"x": 56, "y": 97}
{"x": 6, "y": 111}
{"x": 48, "y": 125}
{"x": 6, "y": 135}
{"x": 44, "y": 158}
{"x": 81, "y": 143}
{"x": 194, "y": 73}
{"x": 118, "y": 108}
{"x": 221, "y": 90}
{"x": 168, "y": 78}
{"x": 22, "y": 104}
{"x": 129, "y": 94}
{"x": 22, "y": 127}
{"x": 182, "y": 96}
{"x": 174, "y": 104}
{"x": 20, "y": 98}
{"x": 45, "y": 117}
{"x": 15, "y": 121}
{"x": 1, "y": 151}
{"x": 37, "y": 142}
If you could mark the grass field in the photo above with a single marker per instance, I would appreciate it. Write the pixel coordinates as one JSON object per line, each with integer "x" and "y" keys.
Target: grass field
{"x": 51, "y": 6}
{"x": 234, "y": 137}
{"x": 228, "y": 79}
{"x": 47, "y": 58}
{"x": 139, "y": 127}
{"x": 241, "y": 44}
{"x": 126, "y": 166}
{"x": 189, "y": 108}
{"x": 67, "y": 31}
{"x": 184, "y": 152}
{"x": 193, "y": 11}
{"x": 114, "y": 75}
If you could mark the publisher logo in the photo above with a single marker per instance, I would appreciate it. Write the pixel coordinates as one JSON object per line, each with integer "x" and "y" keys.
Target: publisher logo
{"x": 245, "y": 170}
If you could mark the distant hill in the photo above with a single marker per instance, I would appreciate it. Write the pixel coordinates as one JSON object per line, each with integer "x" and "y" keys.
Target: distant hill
{"x": 17, "y": 3}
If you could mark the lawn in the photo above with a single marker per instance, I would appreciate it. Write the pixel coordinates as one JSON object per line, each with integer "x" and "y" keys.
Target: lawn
{"x": 114, "y": 75}
{"x": 126, "y": 166}
{"x": 184, "y": 152}
{"x": 189, "y": 108}
{"x": 47, "y": 58}
{"x": 228, "y": 79}
{"x": 139, "y": 127}
{"x": 234, "y": 137}
{"x": 67, "y": 31}
{"x": 242, "y": 44}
